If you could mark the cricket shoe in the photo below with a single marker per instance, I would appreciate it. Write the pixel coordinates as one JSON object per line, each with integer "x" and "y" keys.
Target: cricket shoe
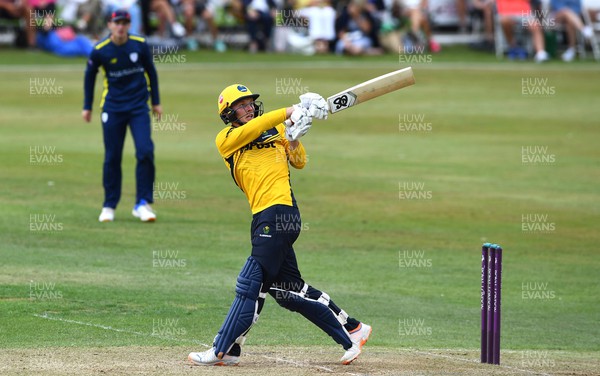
{"x": 359, "y": 337}
{"x": 177, "y": 30}
{"x": 144, "y": 212}
{"x": 434, "y": 46}
{"x": 541, "y": 56}
{"x": 107, "y": 215}
{"x": 569, "y": 54}
{"x": 208, "y": 358}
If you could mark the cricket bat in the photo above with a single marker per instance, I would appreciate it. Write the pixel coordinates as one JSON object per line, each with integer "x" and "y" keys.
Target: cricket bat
{"x": 371, "y": 89}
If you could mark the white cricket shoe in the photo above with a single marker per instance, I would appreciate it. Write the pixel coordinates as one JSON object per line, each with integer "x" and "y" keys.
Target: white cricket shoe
{"x": 359, "y": 337}
{"x": 541, "y": 56}
{"x": 144, "y": 212}
{"x": 208, "y": 358}
{"x": 107, "y": 215}
{"x": 178, "y": 29}
{"x": 569, "y": 54}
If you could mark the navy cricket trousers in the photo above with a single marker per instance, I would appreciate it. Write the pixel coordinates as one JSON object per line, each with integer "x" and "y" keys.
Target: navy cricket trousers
{"x": 273, "y": 232}
{"x": 114, "y": 125}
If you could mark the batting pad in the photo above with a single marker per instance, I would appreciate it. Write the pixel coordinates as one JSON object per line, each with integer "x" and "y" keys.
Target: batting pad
{"x": 315, "y": 306}
{"x": 244, "y": 309}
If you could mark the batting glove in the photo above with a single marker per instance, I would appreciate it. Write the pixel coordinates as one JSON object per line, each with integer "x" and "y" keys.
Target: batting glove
{"x": 316, "y": 104}
{"x": 301, "y": 123}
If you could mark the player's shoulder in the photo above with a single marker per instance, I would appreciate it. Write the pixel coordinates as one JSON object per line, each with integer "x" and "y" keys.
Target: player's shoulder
{"x": 137, "y": 38}
{"x": 223, "y": 133}
{"x": 221, "y": 139}
{"x": 102, "y": 43}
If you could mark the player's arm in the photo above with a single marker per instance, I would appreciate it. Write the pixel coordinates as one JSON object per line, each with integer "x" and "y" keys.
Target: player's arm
{"x": 150, "y": 69}
{"x": 89, "y": 81}
{"x": 231, "y": 139}
{"x": 294, "y": 150}
{"x": 152, "y": 75}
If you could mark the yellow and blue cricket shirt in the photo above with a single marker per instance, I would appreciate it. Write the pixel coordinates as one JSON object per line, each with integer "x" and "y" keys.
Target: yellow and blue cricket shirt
{"x": 258, "y": 156}
{"x": 130, "y": 76}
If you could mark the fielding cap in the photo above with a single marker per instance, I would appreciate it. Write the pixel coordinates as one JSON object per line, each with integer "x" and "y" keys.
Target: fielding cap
{"x": 120, "y": 15}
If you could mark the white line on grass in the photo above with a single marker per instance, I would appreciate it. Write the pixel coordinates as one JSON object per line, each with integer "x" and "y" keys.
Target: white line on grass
{"x": 297, "y": 364}
{"x": 106, "y": 327}
{"x": 454, "y": 358}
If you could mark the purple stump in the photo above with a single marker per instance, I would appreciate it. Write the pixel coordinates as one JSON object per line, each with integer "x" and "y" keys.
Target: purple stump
{"x": 497, "y": 300}
{"x": 490, "y": 303}
{"x": 484, "y": 280}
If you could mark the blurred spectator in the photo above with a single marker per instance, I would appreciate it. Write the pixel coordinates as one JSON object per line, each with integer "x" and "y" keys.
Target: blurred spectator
{"x": 260, "y": 18}
{"x": 62, "y": 40}
{"x": 295, "y": 4}
{"x": 15, "y": 10}
{"x": 290, "y": 31}
{"x": 145, "y": 8}
{"x": 231, "y": 11}
{"x": 568, "y": 13}
{"x": 132, "y": 7}
{"x": 512, "y": 11}
{"x": 377, "y": 8}
{"x": 461, "y": 11}
{"x": 593, "y": 8}
{"x": 390, "y": 33}
{"x": 39, "y": 10}
{"x": 321, "y": 24}
{"x": 356, "y": 30}
{"x": 206, "y": 10}
{"x": 420, "y": 30}
{"x": 85, "y": 15}
{"x": 486, "y": 7}
{"x": 167, "y": 22}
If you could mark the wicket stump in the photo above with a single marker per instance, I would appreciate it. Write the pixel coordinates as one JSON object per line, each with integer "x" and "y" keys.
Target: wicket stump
{"x": 491, "y": 293}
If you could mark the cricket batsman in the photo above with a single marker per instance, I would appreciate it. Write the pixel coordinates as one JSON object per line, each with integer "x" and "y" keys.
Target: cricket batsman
{"x": 258, "y": 149}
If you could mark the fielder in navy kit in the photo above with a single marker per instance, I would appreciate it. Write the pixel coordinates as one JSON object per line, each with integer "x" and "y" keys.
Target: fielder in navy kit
{"x": 130, "y": 79}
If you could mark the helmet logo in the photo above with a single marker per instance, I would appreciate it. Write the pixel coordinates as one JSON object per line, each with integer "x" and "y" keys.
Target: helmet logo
{"x": 221, "y": 98}
{"x": 242, "y": 88}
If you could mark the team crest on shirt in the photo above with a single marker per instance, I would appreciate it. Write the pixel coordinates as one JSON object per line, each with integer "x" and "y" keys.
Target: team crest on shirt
{"x": 133, "y": 57}
{"x": 268, "y": 136}
{"x": 113, "y": 60}
{"x": 265, "y": 233}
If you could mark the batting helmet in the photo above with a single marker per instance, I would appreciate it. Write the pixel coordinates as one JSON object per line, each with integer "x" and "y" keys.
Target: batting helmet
{"x": 232, "y": 94}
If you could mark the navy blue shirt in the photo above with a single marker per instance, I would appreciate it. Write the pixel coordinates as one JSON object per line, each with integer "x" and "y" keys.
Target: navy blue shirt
{"x": 130, "y": 75}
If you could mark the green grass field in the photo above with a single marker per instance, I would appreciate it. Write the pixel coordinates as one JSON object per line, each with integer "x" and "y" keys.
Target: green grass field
{"x": 397, "y": 198}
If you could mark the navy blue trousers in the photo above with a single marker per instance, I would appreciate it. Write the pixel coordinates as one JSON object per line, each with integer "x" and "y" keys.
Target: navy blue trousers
{"x": 274, "y": 231}
{"x": 114, "y": 125}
